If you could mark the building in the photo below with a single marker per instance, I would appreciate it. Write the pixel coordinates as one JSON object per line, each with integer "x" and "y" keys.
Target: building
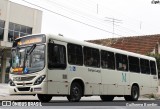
{"x": 137, "y": 44}
{"x": 15, "y": 21}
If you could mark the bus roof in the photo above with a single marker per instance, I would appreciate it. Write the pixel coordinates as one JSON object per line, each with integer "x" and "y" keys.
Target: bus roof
{"x": 88, "y": 44}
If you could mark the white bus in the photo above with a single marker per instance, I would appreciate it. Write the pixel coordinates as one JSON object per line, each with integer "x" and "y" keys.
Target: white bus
{"x": 48, "y": 65}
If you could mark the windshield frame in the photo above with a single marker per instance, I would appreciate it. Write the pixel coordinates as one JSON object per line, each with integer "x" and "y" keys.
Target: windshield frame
{"x": 25, "y": 46}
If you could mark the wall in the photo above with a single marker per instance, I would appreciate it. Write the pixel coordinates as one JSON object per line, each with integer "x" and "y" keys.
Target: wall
{"x": 19, "y": 14}
{"x": 25, "y": 16}
{"x": 3, "y": 9}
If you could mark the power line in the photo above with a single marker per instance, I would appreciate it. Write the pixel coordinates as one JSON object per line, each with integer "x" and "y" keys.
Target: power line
{"x": 89, "y": 17}
{"x": 83, "y": 15}
{"x": 119, "y": 13}
{"x": 113, "y": 20}
{"x": 70, "y": 18}
{"x": 76, "y": 12}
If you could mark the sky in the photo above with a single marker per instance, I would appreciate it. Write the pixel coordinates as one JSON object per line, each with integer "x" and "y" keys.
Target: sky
{"x": 98, "y": 19}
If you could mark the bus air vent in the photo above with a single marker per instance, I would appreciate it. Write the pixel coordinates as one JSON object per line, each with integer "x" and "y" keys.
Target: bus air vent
{"x": 24, "y": 88}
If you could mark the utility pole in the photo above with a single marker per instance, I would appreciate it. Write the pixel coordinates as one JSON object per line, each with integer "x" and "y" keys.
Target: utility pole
{"x": 140, "y": 25}
{"x": 114, "y": 21}
{"x": 97, "y": 8}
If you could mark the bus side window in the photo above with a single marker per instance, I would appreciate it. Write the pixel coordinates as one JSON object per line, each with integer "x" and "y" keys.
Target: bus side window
{"x": 91, "y": 57}
{"x": 56, "y": 56}
{"x": 145, "y": 69}
{"x": 121, "y": 62}
{"x": 75, "y": 54}
{"x": 107, "y": 60}
{"x": 134, "y": 65}
{"x": 153, "y": 67}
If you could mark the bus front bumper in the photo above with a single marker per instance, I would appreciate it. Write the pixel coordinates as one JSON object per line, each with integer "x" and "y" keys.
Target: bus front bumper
{"x": 28, "y": 90}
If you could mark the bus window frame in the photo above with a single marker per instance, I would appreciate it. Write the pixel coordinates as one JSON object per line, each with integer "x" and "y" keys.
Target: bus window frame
{"x": 139, "y": 69}
{"x": 68, "y": 54}
{"x": 148, "y": 68}
{"x": 155, "y": 73}
{"x": 108, "y": 52}
{"x": 90, "y": 58}
{"x": 124, "y": 67}
{"x": 60, "y": 66}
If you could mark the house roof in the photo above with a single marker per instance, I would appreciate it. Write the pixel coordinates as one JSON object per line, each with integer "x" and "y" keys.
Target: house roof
{"x": 136, "y": 44}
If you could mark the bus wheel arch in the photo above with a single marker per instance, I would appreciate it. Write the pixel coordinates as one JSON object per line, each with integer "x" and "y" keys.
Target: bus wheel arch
{"x": 135, "y": 93}
{"x": 76, "y": 90}
{"x": 107, "y": 97}
{"x": 44, "y": 97}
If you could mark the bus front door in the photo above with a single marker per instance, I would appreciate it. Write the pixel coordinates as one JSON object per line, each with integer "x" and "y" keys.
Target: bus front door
{"x": 57, "y": 69}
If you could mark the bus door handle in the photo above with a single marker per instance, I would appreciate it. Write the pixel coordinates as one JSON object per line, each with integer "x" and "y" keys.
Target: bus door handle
{"x": 50, "y": 80}
{"x": 87, "y": 82}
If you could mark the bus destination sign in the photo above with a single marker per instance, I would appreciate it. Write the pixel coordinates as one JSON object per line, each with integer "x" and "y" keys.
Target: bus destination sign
{"x": 29, "y": 40}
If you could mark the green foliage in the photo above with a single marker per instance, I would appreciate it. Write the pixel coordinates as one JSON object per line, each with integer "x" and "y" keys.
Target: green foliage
{"x": 157, "y": 56}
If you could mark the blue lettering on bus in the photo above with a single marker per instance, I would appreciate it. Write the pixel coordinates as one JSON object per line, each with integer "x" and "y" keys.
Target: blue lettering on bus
{"x": 72, "y": 68}
{"x": 124, "y": 77}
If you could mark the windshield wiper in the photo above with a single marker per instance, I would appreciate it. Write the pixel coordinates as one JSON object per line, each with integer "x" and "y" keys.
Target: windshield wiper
{"x": 31, "y": 49}
{"x": 28, "y": 52}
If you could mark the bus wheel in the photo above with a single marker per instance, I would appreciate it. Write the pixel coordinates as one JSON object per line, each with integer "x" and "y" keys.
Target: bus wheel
{"x": 107, "y": 97}
{"x": 44, "y": 98}
{"x": 75, "y": 92}
{"x": 134, "y": 94}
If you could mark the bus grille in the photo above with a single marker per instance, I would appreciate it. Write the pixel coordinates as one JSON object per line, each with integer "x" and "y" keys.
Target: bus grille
{"x": 24, "y": 84}
{"x": 24, "y": 88}
{"x": 29, "y": 78}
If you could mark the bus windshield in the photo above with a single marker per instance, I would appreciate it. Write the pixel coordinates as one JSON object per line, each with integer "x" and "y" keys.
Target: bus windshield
{"x": 25, "y": 64}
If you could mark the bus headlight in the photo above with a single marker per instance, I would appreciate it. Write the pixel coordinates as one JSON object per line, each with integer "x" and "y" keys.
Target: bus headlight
{"x": 11, "y": 83}
{"x": 39, "y": 80}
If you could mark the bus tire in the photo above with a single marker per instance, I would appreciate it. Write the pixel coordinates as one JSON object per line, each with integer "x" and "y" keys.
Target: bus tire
{"x": 44, "y": 98}
{"x": 75, "y": 92}
{"x": 107, "y": 97}
{"x": 134, "y": 94}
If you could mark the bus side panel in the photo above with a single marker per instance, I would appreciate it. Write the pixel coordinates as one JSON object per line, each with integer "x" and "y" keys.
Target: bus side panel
{"x": 154, "y": 83}
{"x": 146, "y": 81}
{"x": 90, "y": 76}
{"x": 135, "y": 78}
{"x": 56, "y": 83}
{"x": 143, "y": 81}
{"x": 109, "y": 81}
{"x": 114, "y": 82}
